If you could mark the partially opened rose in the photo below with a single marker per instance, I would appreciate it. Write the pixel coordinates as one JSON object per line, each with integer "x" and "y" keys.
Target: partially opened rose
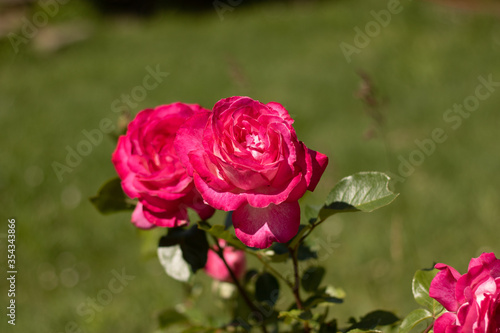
{"x": 235, "y": 259}
{"x": 151, "y": 171}
{"x": 245, "y": 157}
{"x": 472, "y": 299}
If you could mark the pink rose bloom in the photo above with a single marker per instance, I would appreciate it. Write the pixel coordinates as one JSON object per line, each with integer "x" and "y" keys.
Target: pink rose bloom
{"x": 245, "y": 157}
{"x": 151, "y": 171}
{"x": 235, "y": 258}
{"x": 472, "y": 299}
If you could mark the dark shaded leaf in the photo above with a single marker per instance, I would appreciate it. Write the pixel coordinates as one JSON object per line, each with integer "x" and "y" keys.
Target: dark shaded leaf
{"x": 317, "y": 299}
{"x": 267, "y": 288}
{"x": 279, "y": 248}
{"x": 281, "y": 253}
{"x": 312, "y": 277}
{"x": 330, "y": 327}
{"x": 374, "y": 319}
{"x": 111, "y": 199}
{"x": 183, "y": 251}
{"x": 195, "y": 248}
{"x": 249, "y": 275}
{"x": 228, "y": 222}
{"x": 305, "y": 253}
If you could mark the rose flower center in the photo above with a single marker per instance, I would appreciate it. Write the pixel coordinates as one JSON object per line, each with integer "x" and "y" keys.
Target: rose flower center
{"x": 255, "y": 145}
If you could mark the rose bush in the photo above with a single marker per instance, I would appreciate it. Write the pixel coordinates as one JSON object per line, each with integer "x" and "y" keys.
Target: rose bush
{"x": 151, "y": 171}
{"x": 245, "y": 157}
{"x": 235, "y": 259}
{"x": 472, "y": 299}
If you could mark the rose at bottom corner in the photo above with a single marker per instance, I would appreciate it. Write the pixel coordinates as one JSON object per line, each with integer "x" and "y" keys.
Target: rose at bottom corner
{"x": 217, "y": 269}
{"x": 472, "y": 300}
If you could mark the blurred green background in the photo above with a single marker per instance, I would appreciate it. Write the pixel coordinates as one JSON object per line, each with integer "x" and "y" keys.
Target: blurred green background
{"x": 64, "y": 76}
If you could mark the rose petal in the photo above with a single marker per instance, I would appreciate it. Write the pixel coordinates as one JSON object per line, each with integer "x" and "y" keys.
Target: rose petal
{"x": 260, "y": 227}
{"x": 468, "y": 283}
{"x": 195, "y": 201}
{"x": 139, "y": 220}
{"x": 189, "y": 138}
{"x": 319, "y": 164}
{"x": 235, "y": 259}
{"x": 469, "y": 317}
{"x": 444, "y": 321}
{"x": 166, "y": 218}
{"x": 281, "y": 111}
{"x": 443, "y": 285}
{"x": 226, "y": 201}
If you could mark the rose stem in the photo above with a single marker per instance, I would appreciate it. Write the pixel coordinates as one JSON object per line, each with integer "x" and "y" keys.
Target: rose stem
{"x": 296, "y": 287}
{"x": 266, "y": 265}
{"x": 220, "y": 252}
{"x": 428, "y": 328}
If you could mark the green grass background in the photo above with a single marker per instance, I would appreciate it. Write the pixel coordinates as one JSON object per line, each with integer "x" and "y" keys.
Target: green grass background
{"x": 428, "y": 58}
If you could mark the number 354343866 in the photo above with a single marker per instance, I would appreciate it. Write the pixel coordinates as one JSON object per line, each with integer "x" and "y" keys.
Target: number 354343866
{"x": 11, "y": 239}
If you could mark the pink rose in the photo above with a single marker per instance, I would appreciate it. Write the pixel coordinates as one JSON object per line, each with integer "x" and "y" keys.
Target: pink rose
{"x": 472, "y": 299}
{"x": 151, "y": 171}
{"x": 235, "y": 258}
{"x": 245, "y": 157}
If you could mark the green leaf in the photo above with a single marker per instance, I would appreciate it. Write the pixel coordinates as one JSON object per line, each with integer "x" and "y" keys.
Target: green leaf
{"x": 413, "y": 319}
{"x": 200, "y": 329}
{"x": 228, "y": 222}
{"x": 305, "y": 253}
{"x": 170, "y": 317}
{"x": 333, "y": 291}
{"x": 111, "y": 199}
{"x": 219, "y": 232}
{"x": 317, "y": 299}
{"x": 312, "y": 277}
{"x": 311, "y": 213}
{"x": 437, "y": 309}
{"x": 420, "y": 287}
{"x": 277, "y": 253}
{"x": 364, "y": 191}
{"x": 281, "y": 253}
{"x": 295, "y": 315}
{"x": 267, "y": 288}
{"x": 249, "y": 275}
{"x": 183, "y": 251}
{"x": 330, "y": 327}
{"x": 357, "y": 330}
{"x": 374, "y": 319}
